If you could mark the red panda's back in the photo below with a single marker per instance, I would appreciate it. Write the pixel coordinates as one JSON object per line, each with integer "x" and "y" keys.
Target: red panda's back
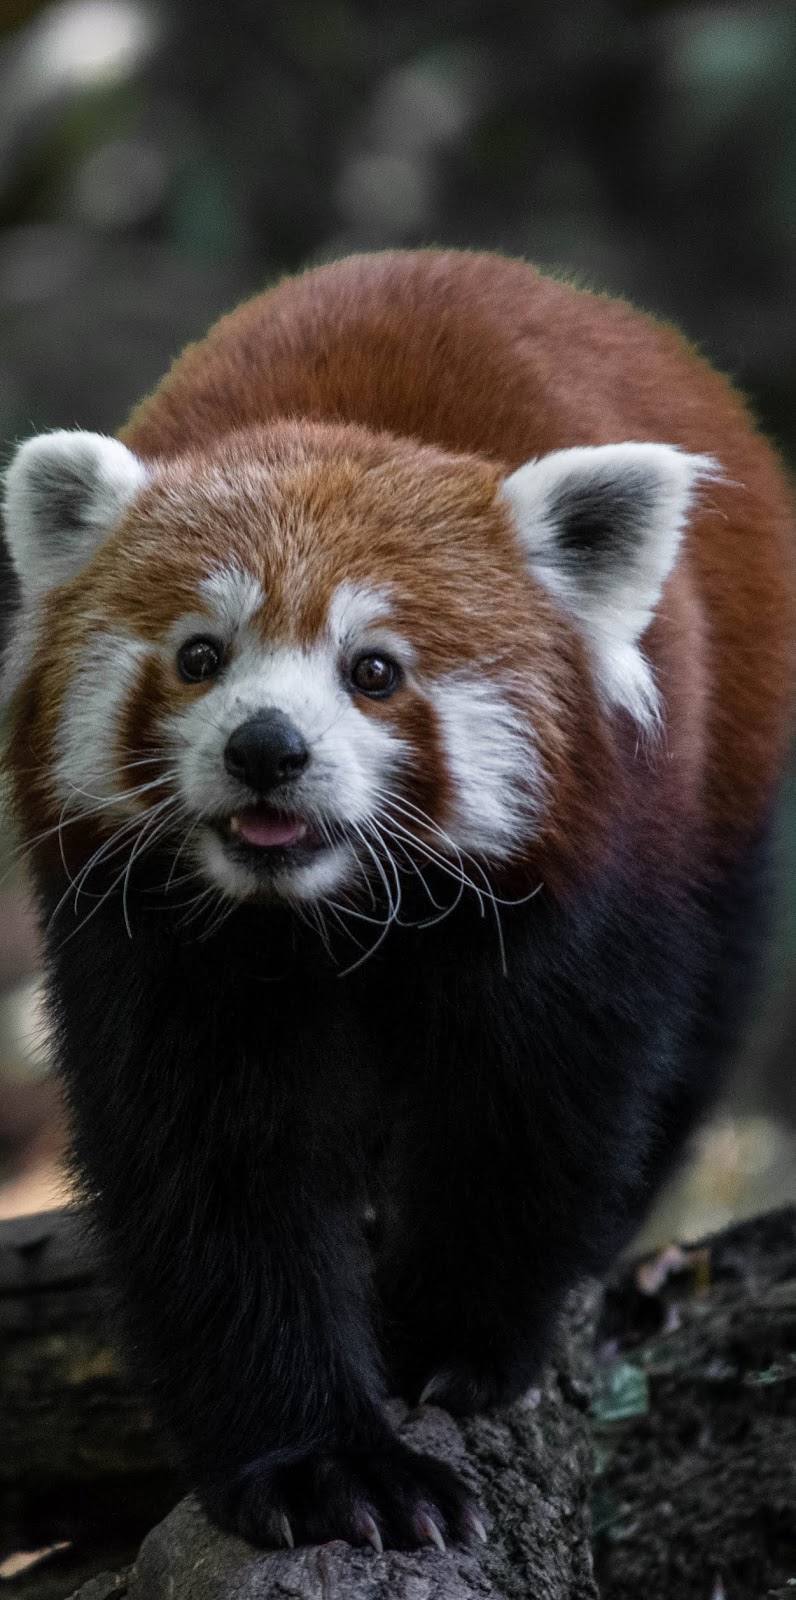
{"x": 480, "y": 354}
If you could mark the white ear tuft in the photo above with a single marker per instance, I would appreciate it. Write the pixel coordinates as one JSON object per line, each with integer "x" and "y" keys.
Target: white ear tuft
{"x": 63, "y": 494}
{"x": 601, "y": 527}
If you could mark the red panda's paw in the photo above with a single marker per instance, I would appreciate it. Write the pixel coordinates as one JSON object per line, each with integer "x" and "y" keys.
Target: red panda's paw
{"x": 388, "y": 1497}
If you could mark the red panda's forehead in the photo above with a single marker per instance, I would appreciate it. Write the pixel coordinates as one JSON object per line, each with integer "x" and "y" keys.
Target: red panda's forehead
{"x": 430, "y": 533}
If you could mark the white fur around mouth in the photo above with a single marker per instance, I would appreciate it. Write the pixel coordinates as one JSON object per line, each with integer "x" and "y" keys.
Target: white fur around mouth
{"x": 305, "y": 871}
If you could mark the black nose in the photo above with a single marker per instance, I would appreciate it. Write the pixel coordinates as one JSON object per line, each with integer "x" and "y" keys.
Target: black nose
{"x": 265, "y": 751}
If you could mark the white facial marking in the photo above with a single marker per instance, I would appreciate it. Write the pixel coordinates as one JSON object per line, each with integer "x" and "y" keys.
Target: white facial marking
{"x": 359, "y": 619}
{"x": 497, "y": 774}
{"x": 601, "y": 527}
{"x": 234, "y": 596}
{"x": 355, "y": 607}
{"x": 86, "y": 762}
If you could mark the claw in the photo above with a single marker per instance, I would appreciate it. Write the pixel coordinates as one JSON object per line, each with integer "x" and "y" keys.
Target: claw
{"x": 476, "y": 1526}
{"x": 369, "y": 1526}
{"x": 287, "y": 1532}
{"x": 435, "y": 1383}
{"x": 427, "y": 1528}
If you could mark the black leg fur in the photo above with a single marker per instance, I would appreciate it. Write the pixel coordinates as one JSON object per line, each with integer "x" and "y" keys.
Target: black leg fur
{"x": 217, "y": 1121}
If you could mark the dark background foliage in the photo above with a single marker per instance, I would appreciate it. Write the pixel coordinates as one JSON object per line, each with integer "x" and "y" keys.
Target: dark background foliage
{"x": 159, "y": 161}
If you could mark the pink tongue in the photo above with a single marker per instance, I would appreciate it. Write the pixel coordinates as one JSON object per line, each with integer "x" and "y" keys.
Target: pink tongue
{"x": 258, "y": 828}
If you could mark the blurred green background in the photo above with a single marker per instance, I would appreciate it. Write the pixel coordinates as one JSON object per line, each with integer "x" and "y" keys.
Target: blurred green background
{"x": 159, "y": 161}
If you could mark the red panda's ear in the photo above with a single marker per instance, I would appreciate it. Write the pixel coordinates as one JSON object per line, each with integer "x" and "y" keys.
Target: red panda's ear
{"x": 601, "y": 527}
{"x": 63, "y": 493}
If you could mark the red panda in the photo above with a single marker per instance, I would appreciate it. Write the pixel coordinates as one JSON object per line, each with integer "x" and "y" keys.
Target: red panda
{"x": 396, "y": 712}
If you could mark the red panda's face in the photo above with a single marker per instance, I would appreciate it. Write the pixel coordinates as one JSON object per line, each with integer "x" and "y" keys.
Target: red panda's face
{"x": 315, "y": 660}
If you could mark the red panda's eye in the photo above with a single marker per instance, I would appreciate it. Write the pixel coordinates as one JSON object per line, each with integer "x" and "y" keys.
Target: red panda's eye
{"x": 375, "y": 675}
{"x": 198, "y": 659}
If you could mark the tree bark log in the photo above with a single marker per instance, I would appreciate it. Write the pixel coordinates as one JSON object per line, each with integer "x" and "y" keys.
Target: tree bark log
{"x": 81, "y": 1459}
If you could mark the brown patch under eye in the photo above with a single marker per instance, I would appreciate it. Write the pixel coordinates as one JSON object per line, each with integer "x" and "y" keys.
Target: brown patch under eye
{"x": 139, "y": 737}
{"x": 423, "y": 781}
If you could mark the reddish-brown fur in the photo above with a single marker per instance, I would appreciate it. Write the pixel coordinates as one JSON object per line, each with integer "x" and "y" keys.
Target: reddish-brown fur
{"x": 474, "y": 354}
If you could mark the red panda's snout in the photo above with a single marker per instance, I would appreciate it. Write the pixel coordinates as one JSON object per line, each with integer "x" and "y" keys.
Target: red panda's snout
{"x": 318, "y": 661}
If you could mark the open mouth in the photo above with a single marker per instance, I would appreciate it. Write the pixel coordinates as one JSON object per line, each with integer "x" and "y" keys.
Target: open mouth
{"x": 271, "y": 838}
